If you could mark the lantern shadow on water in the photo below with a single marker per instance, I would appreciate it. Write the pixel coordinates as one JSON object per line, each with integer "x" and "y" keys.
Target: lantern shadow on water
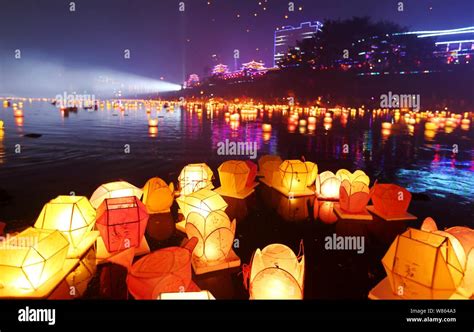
{"x": 423, "y": 265}
{"x": 114, "y": 190}
{"x": 324, "y": 211}
{"x": 73, "y": 216}
{"x": 215, "y": 235}
{"x": 31, "y": 258}
{"x": 203, "y": 202}
{"x": 293, "y": 209}
{"x": 158, "y": 196}
{"x": 194, "y": 177}
{"x": 276, "y": 273}
{"x": 79, "y": 279}
{"x": 121, "y": 222}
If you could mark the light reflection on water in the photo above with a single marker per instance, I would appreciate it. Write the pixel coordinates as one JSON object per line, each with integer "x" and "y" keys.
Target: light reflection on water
{"x": 79, "y": 150}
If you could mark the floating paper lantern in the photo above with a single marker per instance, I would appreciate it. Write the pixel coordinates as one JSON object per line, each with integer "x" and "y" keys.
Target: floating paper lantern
{"x": 194, "y": 177}
{"x": 353, "y": 197}
{"x": 166, "y": 270}
{"x": 215, "y": 235}
{"x": 311, "y": 120}
{"x": 271, "y": 173}
{"x": 276, "y": 273}
{"x": 390, "y": 200}
{"x": 31, "y": 258}
{"x": 121, "y": 222}
{"x": 153, "y": 122}
{"x": 114, "y": 190}
{"x": 386, "y": 125}
{"x": 357, "y": 176}
{"x": 157, "y": 195}
{"x": 327, "y": 185}
{"x": 266, "y": 127}
{"x": 422, "y": 265}
{"x": 202, "y": 295}
{"x": 233, "y": 175}
{"x": 203, "y": 202}
{"x": 1, "y": 124}
{"x": 266, "y": 158}
{"x": 18, "y": 113}
{"x": 73, "y": 216}
{"x": 297, "y": 175}
{"x": 252, "y": 173}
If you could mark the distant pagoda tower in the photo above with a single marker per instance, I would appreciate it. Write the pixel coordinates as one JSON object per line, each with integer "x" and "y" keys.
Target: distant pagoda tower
{"x": 220, "y": 69}
{"x": 253, "y": 66}
{"x": 192, "y": 81}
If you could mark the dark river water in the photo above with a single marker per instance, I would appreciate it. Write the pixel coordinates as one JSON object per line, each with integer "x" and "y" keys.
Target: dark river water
{"x": 78, "y": 151}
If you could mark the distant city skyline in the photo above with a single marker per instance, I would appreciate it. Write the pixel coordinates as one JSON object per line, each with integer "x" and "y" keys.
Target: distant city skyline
{"x": 167, "y": 44}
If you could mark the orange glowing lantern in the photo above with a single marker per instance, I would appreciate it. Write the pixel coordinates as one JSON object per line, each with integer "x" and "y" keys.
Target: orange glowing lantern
{"x": 390, "y": 200}
{"x": 121, "y": 222}
{"x": 325, "y": 211}
{"x": 153, "y": 123}
{"x": 166, "y": 270}
{"x": 423, "y": 265}
{"x": 353, "y": 197}
{"x": 386, "y": 125}
{"x": 158, "y": 196}
{"x": 266, "y": 127}
{"x": 194, "y": 177}
{"x": 266, "y": 158}
{"x": 276, "y": 273}
{"x": 31, "y": 258}
{"x": 297, "y": 175}
{"x": 271, "y": 173}
{"x": 203, "y": 202}
{"x": 18, "y": 113}
{"x": 73, "y": 216}
{"x": 233, "y": 175}
{"x": 114, "y": 190}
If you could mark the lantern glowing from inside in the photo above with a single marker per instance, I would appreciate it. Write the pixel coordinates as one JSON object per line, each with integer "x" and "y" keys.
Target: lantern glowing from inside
{"x": 422, "y": 265}
{"x": 357, "y": 176}
{"x": 233, "y": 175}
{"x": 215, "y": 235}
{"x": 157, "y": 195}
{"x": 276, "y": 273}
{"x": 114, "y": 190}
{"x": 297, "y": 175}
{"x": 194, "y": 177}
{"x": 73, "y": 216}
{"x": 252, "y": 173}
{"x": 31, "y": 258}
{"x": 390, "y": 200}
{"x": 325, "y": 212}
{"x": 353, "y": 197}
{"x": 121, "y": 222}
{"x": 327, "y": 185}
{"x": 153, "y": 122}
{"x": 271, "y": 173}
{"x": 166, "y": 270}
{"x": 266, "y": 127}
{"x": 203, "y": 202}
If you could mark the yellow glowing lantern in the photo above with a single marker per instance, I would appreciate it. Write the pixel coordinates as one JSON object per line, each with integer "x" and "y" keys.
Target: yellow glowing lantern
{"x": 153, "y": 122}
{"x": 215, "y": 234}
{"x": 203, "y": 202}
{"x": 194, "y": 177}
{"x": 266, "y": 127}
{"x": 276, "y": 273}
{"x": 297, "y": 175}
{"x": 157, "y": 195}
{"x": 422, "y": 265}
{"x": 18, "y": 113}
{"x": 357, "y": 176}
{"x": 31, "y": 258}
{"x": 327, "y": 185}
{"x": 1, "y": 124}
{"x": 386, "y": 125}
{"x": 73, "y": 216}
{"x": 233, "y": 175}
{"x": 311, "y": 120}
{"x": 114, "y": 190}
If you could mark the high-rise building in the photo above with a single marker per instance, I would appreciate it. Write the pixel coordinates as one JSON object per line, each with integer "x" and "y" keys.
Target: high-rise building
{"x": 288, "y": 36}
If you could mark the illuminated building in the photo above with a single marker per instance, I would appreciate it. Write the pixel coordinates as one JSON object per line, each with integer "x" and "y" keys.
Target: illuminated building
{"x": 288, "y": 36}
{"x": 220, "y": 69}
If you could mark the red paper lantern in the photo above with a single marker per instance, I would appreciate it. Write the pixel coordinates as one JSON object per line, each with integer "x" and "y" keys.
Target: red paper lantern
{"x": 390, "y": 200}
{"x": 122, "y": 222}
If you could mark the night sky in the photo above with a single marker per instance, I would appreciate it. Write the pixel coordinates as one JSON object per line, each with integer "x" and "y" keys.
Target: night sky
{"x": 165, "y": 42}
